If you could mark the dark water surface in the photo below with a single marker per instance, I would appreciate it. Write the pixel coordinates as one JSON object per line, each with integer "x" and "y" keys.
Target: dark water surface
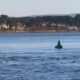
{"x": 32, "y": 56}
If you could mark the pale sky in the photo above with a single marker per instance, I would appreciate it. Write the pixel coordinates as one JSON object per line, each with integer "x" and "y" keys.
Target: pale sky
{"x": 38, "y": 7}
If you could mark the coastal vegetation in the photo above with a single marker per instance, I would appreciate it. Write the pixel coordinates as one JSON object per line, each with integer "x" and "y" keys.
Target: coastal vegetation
{"x": 40, "y": 23}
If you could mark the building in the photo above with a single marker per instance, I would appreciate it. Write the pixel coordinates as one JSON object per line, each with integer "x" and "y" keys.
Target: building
{"x": 72, "y": 28}
{"x": 4, "y": 26}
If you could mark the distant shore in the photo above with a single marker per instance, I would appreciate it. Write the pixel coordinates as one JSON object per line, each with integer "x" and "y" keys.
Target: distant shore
{"x": 40, "y": 33}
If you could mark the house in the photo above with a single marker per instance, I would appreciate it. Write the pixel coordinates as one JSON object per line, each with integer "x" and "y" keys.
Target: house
{"x": 20, "y": 27}
{"x": 4, "y": 26}
{"x": 61, "y": 25}
{"x": 53, "y": 24}
{"x": 73, "y": 28}
{"x": 13, "y": 27}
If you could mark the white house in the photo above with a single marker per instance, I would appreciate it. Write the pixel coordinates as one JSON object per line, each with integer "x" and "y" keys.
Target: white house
{"x": 73, "y": 28}
{"x": 4, "y": 26}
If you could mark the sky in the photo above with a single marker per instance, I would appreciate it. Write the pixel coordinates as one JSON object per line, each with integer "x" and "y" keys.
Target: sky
{"x": 21, "y": 8}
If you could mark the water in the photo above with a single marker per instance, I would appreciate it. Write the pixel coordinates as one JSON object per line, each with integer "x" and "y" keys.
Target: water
{"x": 32, "y": 56}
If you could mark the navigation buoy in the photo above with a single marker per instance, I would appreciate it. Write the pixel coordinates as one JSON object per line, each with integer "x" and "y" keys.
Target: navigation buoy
{"x": 59, "y": 46}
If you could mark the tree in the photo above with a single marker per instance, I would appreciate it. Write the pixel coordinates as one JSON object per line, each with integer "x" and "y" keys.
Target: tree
{"x": 77, "y": 20}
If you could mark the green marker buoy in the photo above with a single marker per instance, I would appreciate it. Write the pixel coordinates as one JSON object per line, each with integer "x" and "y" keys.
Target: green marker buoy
{"x": 59, "y": 46}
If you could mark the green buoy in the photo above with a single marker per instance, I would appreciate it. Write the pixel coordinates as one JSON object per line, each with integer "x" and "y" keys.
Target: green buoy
{"x": 59, "y": 46}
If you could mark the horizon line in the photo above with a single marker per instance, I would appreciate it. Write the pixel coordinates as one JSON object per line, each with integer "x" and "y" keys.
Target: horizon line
{"x": 61, "y": 14}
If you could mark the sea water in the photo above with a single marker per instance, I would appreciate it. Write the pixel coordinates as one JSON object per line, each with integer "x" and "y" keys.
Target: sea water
{"x": 32, "y": 56}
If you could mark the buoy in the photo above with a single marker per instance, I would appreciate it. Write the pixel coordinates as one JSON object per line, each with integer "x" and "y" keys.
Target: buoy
{"x": 59, "y": 46}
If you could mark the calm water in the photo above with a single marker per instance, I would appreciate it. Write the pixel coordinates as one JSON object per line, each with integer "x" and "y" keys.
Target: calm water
{"x": 32, "y": 56}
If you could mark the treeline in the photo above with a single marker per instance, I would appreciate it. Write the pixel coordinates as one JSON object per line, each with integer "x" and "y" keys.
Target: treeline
{"x": 39, "y": 20}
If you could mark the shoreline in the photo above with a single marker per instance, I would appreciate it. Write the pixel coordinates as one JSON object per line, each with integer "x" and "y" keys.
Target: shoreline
{"x": 40, "y": 34}
{"x": 39, "y": 31}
